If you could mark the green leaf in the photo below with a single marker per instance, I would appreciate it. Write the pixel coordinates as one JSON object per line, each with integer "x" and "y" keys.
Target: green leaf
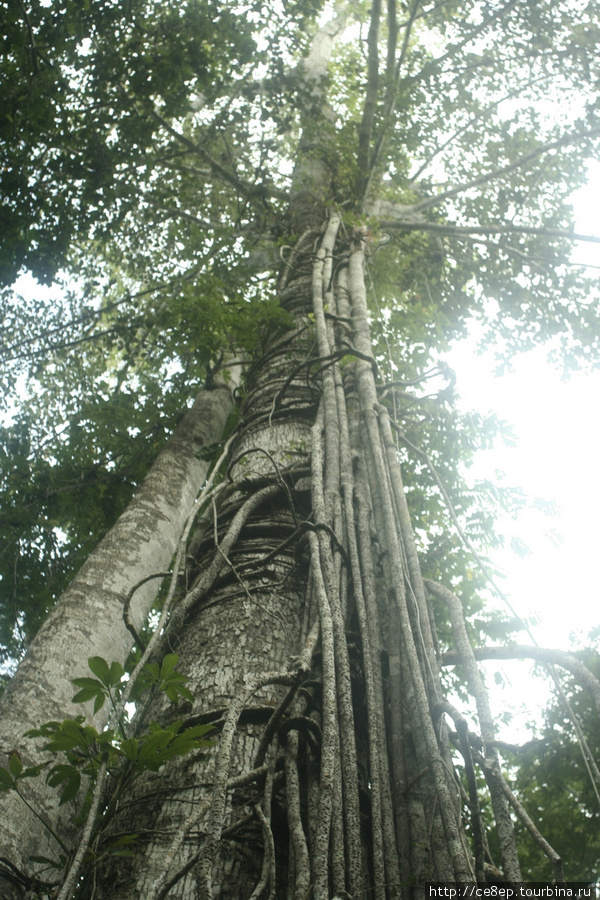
{"x": 101, "y": 670}
{"x": 67, "y": 776}
{"x": 199, "y": 731}
{"x": 162, "y": 744}
{"x": 153, "y": 671}
{"x": 33, "y": 771}
{"x": 14, "y": 764}
{"x": 46, "y": 730}
{"x": 86, "y": 694}
{"x": 7, "y": 782}
{"x": 62, "y": 742}
{"x": 91, "y": 689}
{"x": 120, "y": 846}
{"x": 130, "y": 748}
{"x": 116, "y": 673}
{"x": 168, "y": 665}
{"x": 91, "y": 684}
{"x": 73, "y": 733}
{"x": 71, "y": 788}
{"x": 174, "y": 691}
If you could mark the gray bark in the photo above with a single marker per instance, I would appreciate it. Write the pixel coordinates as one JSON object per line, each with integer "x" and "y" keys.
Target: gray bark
{"x": 246, "y": 622}
{"x": 88, "y": 619}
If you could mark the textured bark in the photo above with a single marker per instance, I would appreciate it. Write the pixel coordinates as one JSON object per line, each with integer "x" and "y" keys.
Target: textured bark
{"x": 248, "y": 622}
{"x": 294, "y": 796}
{"x": 304, "y": 632}
{"x": 88, "y": 618}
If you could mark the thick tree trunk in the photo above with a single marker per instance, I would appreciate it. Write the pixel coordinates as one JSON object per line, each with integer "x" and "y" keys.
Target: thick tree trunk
{"x": 248, "y": 619}
{"x": 308, "y": 644}
{"x": 88, "y": 619}
{"x": 304, "y": 631}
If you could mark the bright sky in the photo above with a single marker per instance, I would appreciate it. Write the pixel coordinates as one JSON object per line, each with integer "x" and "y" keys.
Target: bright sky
{"x": 555, "y": 587}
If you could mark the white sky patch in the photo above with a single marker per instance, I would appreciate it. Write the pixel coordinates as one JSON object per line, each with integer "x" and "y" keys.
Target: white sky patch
{"x": 555, "y": 459}
{"x": 555, "y": 587}
{"x": 587, "y": 209}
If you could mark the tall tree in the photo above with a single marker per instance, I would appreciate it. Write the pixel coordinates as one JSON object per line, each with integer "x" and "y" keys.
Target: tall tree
{"x": 336, "y": 214}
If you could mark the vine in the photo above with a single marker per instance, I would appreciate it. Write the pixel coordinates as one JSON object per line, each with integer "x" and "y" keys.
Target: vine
{"x": 369, "y": 655}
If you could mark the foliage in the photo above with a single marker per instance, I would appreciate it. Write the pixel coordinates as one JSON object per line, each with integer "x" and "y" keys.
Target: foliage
{"x": 70, "y": 68}
{"x": 152, "y": 140}
{"x": 551, "y": 766}
{"x": 150, "y": 151}
{"x": 80, "y": 750}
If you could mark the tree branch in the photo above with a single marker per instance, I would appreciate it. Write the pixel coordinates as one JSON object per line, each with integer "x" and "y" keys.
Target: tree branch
{"x": 490, "y": 20}
{"x": 542, "y": 654}
{"x": 462, "y": 731}
{"x": 453, "y": 230}
{"x": 521, "y": 812}
{"x": 504, "y": 825}
{"x": 250, "y": 192}
{"x": 391, "y": 41}
{"x": 366, "y": 126}
{"x": 389, "y": 104}
{"x": 522, "y": 162}
{"x": 483, "y": 113}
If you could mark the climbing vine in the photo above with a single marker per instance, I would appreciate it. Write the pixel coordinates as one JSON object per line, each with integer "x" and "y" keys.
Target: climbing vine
{"x": 356, "y": 750}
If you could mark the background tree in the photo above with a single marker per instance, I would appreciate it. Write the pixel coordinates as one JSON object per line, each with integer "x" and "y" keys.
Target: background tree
{"x": 175, "y": 156}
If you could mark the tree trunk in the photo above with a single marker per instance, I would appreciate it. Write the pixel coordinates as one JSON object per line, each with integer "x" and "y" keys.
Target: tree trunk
{"x": 88, "y": 619}
{"x": 304, "y": 629}
{"x": 307, "y": 641}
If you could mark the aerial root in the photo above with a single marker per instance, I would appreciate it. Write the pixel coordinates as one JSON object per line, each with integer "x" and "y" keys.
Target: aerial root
{"x": 364, "y": 569}
{"x": 493, "y": 772}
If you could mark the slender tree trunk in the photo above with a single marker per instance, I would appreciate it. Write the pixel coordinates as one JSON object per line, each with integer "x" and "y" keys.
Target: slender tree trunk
{"x": 88, "y": 619}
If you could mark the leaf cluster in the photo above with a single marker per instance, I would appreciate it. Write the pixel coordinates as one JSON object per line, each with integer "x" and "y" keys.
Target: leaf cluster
{"x": 80, "y": 750}
{"x": 78, "y": 126}
{"x": 157, "y": 143}
{"x": 557, "y": 787}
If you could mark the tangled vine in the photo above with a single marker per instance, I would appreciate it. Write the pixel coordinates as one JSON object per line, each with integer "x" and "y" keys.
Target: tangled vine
{"x": 333, "y": 773}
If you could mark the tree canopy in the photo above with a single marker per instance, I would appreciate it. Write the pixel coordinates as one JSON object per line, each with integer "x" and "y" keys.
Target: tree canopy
{"x": 149, "y": 154}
